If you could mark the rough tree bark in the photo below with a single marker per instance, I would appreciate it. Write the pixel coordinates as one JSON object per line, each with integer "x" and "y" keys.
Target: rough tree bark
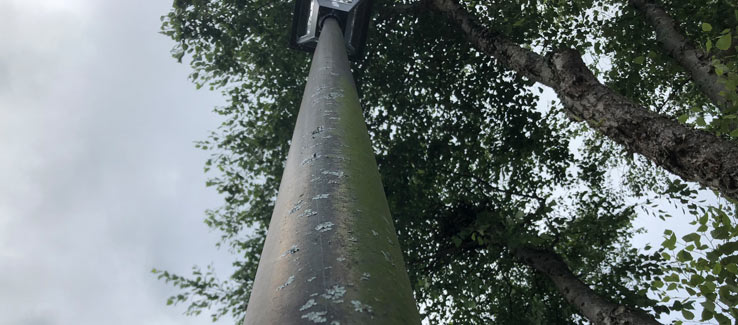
{"x": 681, "y": 49}
{"x": 597, "y": 309}
{"x": 689, "y": 153}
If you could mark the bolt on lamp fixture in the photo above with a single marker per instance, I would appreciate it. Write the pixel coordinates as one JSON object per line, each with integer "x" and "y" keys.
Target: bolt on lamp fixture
{"x": 352, "y": 17}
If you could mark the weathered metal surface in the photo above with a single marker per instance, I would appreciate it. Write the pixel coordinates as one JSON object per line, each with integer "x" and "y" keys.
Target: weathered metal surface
{"x": 331, "y": 254}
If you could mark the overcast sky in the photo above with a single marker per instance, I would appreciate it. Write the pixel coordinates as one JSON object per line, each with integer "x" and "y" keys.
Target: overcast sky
{"x": 99, "y": 179}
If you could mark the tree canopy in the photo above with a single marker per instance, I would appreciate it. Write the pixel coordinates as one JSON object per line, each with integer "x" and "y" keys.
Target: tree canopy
{"x": 512, "y": 204}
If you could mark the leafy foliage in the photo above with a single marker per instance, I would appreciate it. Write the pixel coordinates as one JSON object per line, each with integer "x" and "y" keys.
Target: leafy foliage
{"x": 702, "y": 266}
{"x": 474, "y": 164}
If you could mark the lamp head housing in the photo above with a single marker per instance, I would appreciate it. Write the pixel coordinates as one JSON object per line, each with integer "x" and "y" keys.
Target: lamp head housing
{"x": 352, "y": 16}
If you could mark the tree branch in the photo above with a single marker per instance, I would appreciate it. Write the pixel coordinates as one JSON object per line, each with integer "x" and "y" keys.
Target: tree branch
{"x": 691, "y": 154}
{"x": 681, "y": 49}
{"x": 593, "y": 306}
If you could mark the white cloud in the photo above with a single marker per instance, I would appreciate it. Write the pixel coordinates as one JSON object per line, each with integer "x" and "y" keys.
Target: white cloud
{"x": 99, "y": 181}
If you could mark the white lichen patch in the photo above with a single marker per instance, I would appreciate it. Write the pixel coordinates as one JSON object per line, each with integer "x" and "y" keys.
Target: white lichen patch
{"x": 387, "y": 256}
{"x": 320, "y": 89}
{"x": 317, "y": 130}
{"x": 337, "y": 174}
{"x": 316, "y": 316}
{"x": 340, "y": 259}
{"x": 289, "y": 280}
{"x": 314, "y": 294}
{"x": 323, "y": 227}
{"x": 308, "y": 160}
{"x": 353, "y": 239}
{"x": 335, "y": 322}
{"x": 311, "y": 279}
{"x": 359, "y": 307}
{"x": 307, "y": 213}
{"x": 297, "y": 206}
{"x": 334, "y": 293}
{"x": 314, "y": 179}
{"x": 365, "y": 276}
{"x": 320, "y": 196}
{"x": 308, "y": 304}
{"x": 375, "y": 233}
{"x": 292, "y": 250}
{"x": 335, "y": 94}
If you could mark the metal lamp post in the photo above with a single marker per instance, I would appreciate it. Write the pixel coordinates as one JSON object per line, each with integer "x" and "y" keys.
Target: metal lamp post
{"x": 331, "y": 254}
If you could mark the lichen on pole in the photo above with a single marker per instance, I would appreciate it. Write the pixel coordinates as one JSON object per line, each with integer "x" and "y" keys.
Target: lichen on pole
{"x": 331, "y": 254}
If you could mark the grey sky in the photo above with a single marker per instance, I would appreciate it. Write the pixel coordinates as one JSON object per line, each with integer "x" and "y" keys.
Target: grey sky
{"x": 99, "y": 180}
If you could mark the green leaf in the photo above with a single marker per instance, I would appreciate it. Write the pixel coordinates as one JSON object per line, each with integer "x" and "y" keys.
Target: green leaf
{"x": 709, "y": 287}
{"x": 672, "y": 277}
{"x": 706, "y": 315}
{"x": 728, "y": 248}
{"x": 719, "y": 69}
{"x": 708, "y": 45}
{"x": 701, "y": 121}
{"x": 670, "y": 243}
{"x": 725, "y": 220}
{"x": 732, "y": 268}
{"x": 734, "y": 133}
{"x": 706, "y": 27}
{"x": 722, "y": 319}
{"x": 691, "y": 237}
{"x": 457, "y": 241}
{"x": 704, "y": 218}
{"x": 657, "y": 284}
{"x": 726, "y": 296}
{"x": 684, "y": 256}
{"x": 724, "y": 41}
{"x": 687, "y": 314}
{"x": 682, "y": 118}
{"x": 708, "y": 305}
{"x": 639, "y": 60}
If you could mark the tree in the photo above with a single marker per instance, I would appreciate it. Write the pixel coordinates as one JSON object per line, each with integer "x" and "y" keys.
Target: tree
{"x": 484, "y": 183}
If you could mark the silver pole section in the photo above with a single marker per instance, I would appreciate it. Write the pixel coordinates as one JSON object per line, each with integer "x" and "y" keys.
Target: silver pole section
{"x": 331, "y": 254}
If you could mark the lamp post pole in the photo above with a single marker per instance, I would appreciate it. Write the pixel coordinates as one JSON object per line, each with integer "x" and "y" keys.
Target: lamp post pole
{"x": 331, "y": 254}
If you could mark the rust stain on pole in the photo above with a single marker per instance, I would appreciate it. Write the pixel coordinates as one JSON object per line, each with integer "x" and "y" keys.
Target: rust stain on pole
{"x": 331, "y": 254}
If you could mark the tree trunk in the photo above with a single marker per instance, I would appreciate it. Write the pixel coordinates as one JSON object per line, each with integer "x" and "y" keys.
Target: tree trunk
{"x": 679, "y": 47}
{"x": 692, "y": 154}
{"x": 596, "y": 308}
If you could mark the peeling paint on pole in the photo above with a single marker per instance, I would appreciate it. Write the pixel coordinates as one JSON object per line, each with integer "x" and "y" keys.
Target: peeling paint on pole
{"x": 331, "y": 250}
